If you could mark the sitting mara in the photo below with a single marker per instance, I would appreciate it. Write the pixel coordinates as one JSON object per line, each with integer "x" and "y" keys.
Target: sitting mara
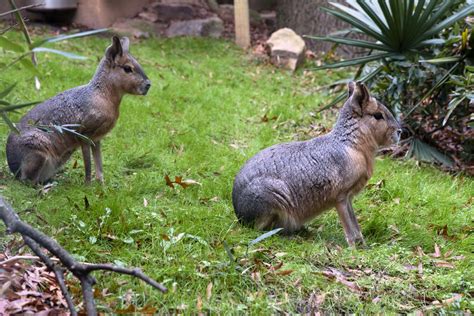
{"x": 287, "y": 185}
{"x": 35, "y": 154}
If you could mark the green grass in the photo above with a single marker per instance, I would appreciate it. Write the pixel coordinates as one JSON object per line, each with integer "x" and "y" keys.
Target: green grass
{"x": 202, "y": 120}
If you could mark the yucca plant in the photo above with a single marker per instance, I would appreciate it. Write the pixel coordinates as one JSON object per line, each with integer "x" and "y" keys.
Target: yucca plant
{"x": 399, "y": 27}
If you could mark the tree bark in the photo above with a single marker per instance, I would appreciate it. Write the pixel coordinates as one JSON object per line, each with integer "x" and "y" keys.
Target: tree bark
{"x": 305, "y": 17}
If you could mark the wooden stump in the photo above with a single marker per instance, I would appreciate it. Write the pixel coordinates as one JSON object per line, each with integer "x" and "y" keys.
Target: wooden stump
{"x": 242, "y": 24}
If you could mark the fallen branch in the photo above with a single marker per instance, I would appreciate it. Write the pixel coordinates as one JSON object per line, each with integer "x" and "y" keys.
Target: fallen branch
{"x": 36, "y": 240}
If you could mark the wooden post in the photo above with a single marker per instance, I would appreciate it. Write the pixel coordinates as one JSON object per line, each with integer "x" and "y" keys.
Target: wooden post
{"x": 242, "y": 23}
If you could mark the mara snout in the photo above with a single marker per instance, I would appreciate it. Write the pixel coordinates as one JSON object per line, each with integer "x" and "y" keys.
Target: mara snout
{"x": 287, "y": 185}
{"x": 35, "y": 155}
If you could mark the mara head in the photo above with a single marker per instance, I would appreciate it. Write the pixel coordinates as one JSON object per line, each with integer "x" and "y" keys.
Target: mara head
{"x": 123, "y": 70}
{"x": 374, "y": 118}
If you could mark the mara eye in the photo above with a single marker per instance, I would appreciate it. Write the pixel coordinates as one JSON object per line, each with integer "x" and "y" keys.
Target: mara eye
{"x": 127, "y": 69}
{"x": 378, "y": 116}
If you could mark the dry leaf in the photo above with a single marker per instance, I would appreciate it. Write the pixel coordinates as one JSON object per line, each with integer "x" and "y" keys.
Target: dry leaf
{"x": 333, "y": 273}
{"x": 448, "y": 301}
{"x": 285, "y": 272}
{"x": 437, "y": 252}
{"x": 209, "y": 291}
{"x": 145, "y": 202}
{"x": 199, "y": 303}
{"x": 179, "y": 181}
{"x": 444, "y": 264}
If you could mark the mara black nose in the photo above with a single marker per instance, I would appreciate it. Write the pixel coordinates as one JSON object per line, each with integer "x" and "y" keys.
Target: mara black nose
{"x": 148, "y": 85}
{"x": 399, "y": 132}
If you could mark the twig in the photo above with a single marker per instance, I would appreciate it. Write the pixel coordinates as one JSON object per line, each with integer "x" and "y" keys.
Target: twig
{"x": 21, "y": 9}
{"x": 18, "y": 258}
{"x": 36, "y": 240}
{"x": 24, "y": 29}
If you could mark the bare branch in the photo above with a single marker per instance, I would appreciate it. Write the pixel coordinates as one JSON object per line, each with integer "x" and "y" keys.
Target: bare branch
{"x": 36, "y": 240}
{"x": 21, "y": 9}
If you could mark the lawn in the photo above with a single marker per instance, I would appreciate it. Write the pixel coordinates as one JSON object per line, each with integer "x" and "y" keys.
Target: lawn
{"x": 211, "y": 108}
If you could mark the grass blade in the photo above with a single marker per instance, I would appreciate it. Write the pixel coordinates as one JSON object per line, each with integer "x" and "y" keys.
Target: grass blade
{"x": 58, "y": 52}
{"x": 356, "y": 61}
{"x": 11, "y": 107}
{"x": 9, "y": 122}
{"x": 5, "y": 92}
{"x": 350, "y": 41}
{"x": 68, "y": 36}
{"x": 6, "y": 44}
{"x": 264, "y": 236}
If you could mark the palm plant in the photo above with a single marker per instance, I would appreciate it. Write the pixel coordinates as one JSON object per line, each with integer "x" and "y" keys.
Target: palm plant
{"x": 399, "y": 27}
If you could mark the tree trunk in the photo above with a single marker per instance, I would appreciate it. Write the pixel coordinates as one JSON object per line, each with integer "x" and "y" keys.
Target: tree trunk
{"x": 305, "y": 17}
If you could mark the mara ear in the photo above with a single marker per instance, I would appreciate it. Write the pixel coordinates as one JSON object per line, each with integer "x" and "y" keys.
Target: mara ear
{"x": 114, "y": 50}
{"x": 125, "y": 44}
{"x": 359, "y": 95}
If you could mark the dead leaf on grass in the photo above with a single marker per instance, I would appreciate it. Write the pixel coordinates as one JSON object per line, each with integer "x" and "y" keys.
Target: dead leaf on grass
{"x": 456, "y": 297}
{"x": 179, "y": 181}
{"x": 209, "y": 291}
{"x": 285, "y": 272}
{"x": 333, "y": 273}
{"x": 444, "y": 264}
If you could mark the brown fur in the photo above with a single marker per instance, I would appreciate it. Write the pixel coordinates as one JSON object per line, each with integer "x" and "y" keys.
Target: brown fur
{"x": 35, "y": 155}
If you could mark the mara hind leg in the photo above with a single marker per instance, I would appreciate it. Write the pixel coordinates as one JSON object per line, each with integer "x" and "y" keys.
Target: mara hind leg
{"x": 37, "y": 167}
{"x": 267, "y": 203}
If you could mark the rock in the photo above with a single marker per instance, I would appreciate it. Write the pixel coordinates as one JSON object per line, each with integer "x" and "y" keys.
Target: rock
{"x": 213, "y": 5}
{"x": 137, "y": 28}
{"x": 254, "y": 17}
{"x": 269, "y": 18}
{"x": 210, "y": 27}
{"x": 261, "y": 5}
{"x": 149, "y": 16}
{"x": 287, "y": 48}
{"x": 226, "y": 12}
{"x": 170, "y": 12}
{"x": 198, "y": 3}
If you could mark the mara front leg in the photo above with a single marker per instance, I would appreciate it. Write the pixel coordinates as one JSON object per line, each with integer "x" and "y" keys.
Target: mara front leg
{"x": 96, "y": 153}
{"x": 349, "y": 222}
{"x": 86, "y": 154}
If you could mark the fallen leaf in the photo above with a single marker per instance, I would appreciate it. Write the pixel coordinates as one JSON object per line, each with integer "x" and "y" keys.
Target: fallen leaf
{"x": 437, "y": 252}
{"x": 179, "y": 181}
{"x": 209, "y": 291}
{"x": 333, "y": 273}
{"x": 199, "y": 303}
{"x": 168, "y": 182}
{"x": 285, "y": 272}
{"x": 189, "y": 182}
{"x": 420, "y": 268}
{"x": 145, "y": 202}
{"x": 444, "y": 264}
{"x": 448, "y": 301}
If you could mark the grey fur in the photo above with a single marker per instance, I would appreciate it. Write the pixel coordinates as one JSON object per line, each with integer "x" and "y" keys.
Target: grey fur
{"x": 35, "y": 155}
{"x": 288, "y": 184}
